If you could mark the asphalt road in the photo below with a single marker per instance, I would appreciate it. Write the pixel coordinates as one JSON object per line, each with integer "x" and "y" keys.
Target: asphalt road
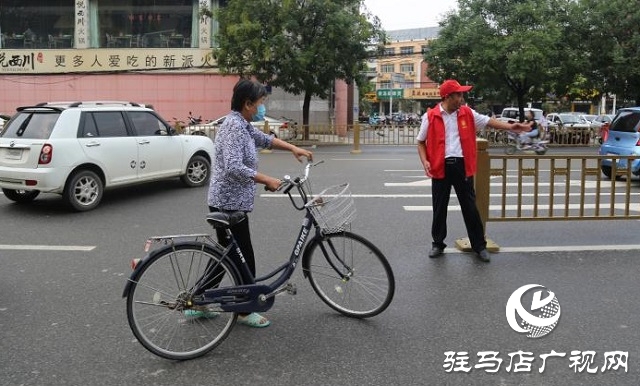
{"x": 63, "y": 321}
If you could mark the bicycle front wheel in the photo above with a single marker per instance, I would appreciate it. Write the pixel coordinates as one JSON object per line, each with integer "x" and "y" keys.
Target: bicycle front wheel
{"x": 160, "y": 306}
{"x": 350, "y": 274}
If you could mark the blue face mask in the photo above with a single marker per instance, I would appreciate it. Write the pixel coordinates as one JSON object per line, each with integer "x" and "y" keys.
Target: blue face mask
{"x": 259, "y": 116}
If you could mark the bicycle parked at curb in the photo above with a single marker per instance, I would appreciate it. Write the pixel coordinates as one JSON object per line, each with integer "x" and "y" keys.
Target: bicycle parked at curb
{"x": 193, "y": 274}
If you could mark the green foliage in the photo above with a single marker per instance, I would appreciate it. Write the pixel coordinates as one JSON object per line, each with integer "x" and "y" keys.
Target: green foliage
{"x": 506, "y": 48}
{"x": 301, "y": 46}
{"x": 612, "y": 41}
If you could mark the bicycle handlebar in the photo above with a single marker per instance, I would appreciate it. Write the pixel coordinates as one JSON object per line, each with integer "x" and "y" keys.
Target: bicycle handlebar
{"x": 289, "y": 183}
{"x": 301, "y": 179}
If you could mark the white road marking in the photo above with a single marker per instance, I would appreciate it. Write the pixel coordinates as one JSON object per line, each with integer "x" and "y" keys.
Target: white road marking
{"x": 428, "y": 195}
{"x": 558, "y": 248}
{"x": 588, "y": 184}
{"x": 69, "y": 248}
{"x": 541, "y": 207}
{"x": 367, "y": 159}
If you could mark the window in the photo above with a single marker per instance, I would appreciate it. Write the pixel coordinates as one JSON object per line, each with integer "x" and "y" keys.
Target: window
{"x": 36, "y": 24}
{"x": 110, "y": 124}
{"x": 32, "y": 125}
{"x": 626, "y": 122}
{"x": 407, "y": 67}
{"x": 145, "y": 23}
{"x": 389, "y": 51}
{"x": 387, "y": 68}
{"x": 147, "y": 124}
{"x": 424, "y": 49}
{"x": 89, "y": 128}
{"x": 385, "y": 85}
{"x": 407, "y": 50}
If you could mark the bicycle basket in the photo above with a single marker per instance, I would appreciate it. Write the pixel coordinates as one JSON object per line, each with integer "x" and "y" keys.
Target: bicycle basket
{"x": 333, "y": 208}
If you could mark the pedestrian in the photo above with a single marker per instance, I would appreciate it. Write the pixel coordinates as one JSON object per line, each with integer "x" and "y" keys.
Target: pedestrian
{"x": 235, "y": 171}
{"x": 544, "y": 124}
{"x": 447, "y": 150}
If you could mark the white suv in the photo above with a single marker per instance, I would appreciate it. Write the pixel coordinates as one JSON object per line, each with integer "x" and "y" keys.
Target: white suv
{"x": 512, "y": 114}
{"x": 79, "y": 149}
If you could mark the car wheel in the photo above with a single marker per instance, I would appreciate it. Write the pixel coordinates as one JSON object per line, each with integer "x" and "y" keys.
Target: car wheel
{"x": 198, "y": 171}
{"x": 21, "y": 196}
{"x": 83, "y": 191}
{"x": 606, "y": 170}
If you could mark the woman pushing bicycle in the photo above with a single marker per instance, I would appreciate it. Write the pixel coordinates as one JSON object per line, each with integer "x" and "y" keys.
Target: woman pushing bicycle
{"x": 235, "y": 172}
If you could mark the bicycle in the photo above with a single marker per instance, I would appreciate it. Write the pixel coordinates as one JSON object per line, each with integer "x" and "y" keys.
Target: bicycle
{"x": 191, "y": 274}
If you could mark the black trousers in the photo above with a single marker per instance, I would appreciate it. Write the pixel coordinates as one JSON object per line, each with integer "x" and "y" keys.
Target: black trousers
{"x": 243, "y": 237}
{"x": 454, "y": 176}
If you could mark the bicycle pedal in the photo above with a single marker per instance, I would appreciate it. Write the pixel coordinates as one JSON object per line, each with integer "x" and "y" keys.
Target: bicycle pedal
{"x": 291, "y": 289}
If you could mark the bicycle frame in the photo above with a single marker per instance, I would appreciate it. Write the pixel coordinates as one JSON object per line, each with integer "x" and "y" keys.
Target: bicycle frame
{"x": 253, "y": 296}
{"x": 256, "y": 297}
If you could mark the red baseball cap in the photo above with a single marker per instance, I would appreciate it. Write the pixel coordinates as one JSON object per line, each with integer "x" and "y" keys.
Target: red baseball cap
{"x": 450, "y": 86}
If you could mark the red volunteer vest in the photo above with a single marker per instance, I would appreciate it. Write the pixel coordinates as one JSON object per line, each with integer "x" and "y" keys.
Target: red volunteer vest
{"x": 436, "y": 146}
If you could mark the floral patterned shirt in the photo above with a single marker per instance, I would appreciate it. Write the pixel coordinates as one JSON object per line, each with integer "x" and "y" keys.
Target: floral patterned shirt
{"x": 235, "y": 164}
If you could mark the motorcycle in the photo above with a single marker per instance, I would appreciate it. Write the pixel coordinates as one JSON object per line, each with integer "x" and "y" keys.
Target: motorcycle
{"x": 514, "y": 143}
{"x": 193, "y": 120}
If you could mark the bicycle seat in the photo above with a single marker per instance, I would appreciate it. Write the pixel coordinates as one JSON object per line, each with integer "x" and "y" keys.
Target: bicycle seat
{"x": 225, "y": 219}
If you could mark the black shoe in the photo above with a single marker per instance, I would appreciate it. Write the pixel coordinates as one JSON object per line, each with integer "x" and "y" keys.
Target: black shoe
{"x": 436, "y": 252}
{"x": 483, "y": 255}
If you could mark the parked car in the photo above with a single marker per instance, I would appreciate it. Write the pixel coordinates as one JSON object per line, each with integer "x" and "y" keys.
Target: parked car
{"x": 512, "y": 114}
{"x": 623, "y": 140}
{"x": 599, "y": 120}
{"x": 79, "y": 149}
{"x": 586, "y": 118}
{"x": 280, "y": 128}
{"x": 568, "y": 128}
{"x": 600, "y": 126}
{"x": 3, "y": 118}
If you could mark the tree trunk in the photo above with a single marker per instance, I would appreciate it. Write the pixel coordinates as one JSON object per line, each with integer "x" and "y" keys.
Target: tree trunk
{"x": 305, "y": 115}
{"x": 520, "y": 96}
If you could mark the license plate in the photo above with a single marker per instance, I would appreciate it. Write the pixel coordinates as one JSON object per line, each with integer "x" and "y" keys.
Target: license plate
{"x": 13, "y": 154}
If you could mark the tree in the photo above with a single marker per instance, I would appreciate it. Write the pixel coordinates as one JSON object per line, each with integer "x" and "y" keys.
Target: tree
{"x": 301, "y": 46}
{"x": 513, "y": 48}
{"x": 612, "y": 46}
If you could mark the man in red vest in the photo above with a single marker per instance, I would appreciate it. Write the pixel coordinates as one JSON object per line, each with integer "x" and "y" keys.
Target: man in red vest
{"x": 447, "y": 150}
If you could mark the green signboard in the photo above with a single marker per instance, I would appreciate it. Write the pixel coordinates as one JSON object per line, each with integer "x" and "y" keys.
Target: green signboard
{"x": 387, "y": 93}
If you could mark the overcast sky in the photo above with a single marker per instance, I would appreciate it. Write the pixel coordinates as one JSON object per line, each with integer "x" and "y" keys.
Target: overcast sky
{"x": 403, "y": 14}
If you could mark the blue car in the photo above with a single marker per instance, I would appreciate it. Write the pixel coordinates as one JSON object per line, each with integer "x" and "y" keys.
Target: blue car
{"x": 623, "y": 140}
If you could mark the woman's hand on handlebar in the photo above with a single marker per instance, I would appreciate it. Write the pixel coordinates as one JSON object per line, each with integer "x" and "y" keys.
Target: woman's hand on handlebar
{"x": 299, "y": 153}
{"x": 272, "y": 184}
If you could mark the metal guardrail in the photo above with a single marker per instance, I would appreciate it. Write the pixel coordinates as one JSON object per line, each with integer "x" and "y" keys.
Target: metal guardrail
{"x": 546, "y": 187}
{"x": 554, "y": 187}
{"x": 364, "y": 134}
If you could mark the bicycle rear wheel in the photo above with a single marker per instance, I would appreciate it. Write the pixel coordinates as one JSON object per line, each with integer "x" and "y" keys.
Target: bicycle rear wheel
{"x": 159, "y": 303}
{"x": 350, "y": 274}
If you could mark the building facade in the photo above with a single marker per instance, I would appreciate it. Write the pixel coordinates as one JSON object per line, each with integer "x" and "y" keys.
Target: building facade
{"x": 156, "y": 52}
{"x": 400, "y": 78}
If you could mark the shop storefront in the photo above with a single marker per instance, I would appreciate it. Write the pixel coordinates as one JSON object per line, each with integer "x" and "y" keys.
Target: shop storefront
{"x": 156, "y": 52}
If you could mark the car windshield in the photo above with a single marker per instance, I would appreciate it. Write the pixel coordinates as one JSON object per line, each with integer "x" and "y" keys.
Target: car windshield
{"x": 626, "y": 121}
{"x": 32, "y": 125}
{"x": 569, "y": 118}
